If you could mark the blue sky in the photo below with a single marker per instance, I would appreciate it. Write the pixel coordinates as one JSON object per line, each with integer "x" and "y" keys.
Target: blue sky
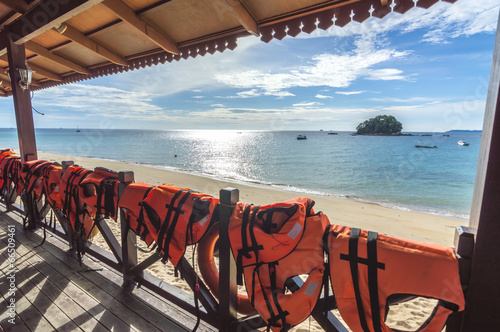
{"x": 429, "y": 68}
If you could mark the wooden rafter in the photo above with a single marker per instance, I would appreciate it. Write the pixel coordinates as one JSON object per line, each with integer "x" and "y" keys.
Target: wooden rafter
{"x": 18, "y": 5}
{"x": 79, "y": 38}
{"x": 44, "y": 52}
{"x": 23, "y": 30}
{"x": 243, "y": 16}
{"x": 128, "y": 15}
{"x": 6, "y": 81}
{"x": 45, "y": 73}
{"x": 39, "y": 70}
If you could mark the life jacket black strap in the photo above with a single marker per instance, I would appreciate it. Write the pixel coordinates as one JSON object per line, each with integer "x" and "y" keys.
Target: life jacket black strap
{"x": 373, "y": 266}
{"x": 164, "y": 226}
{"x": 272, "y": 320}
{"x": 371, "y": 247}
{"x": 243, "y": 251}
{"x": 109, "y": 198}
{"x": 142, "y": 230}
{"x": 353, "y": 264}
{"x": 173, "y": 224}
{"x": 274, "y": 291}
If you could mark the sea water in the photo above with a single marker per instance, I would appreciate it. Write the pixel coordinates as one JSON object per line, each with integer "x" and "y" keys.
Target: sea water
{"x": 382, "y": 169}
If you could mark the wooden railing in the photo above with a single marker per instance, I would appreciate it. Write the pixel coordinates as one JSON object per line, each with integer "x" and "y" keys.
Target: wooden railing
{"x": 221, "y": 314}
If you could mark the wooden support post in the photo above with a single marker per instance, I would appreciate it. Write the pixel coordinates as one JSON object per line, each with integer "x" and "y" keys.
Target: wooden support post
{"x": 129, "y": 249}
{"x": 228, "y": 288}
{"x": 22, "y": 103}
{"x": 483, "y": 295}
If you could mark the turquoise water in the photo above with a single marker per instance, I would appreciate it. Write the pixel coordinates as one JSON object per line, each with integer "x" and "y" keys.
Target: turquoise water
{"x": 385, "y": 170}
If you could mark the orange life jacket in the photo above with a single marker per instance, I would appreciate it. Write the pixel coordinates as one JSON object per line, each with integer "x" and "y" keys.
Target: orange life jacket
{"x": 99, "y": 192}
{"x": 51, "y": 174}
{"x": 177, "y": 217}
{"x": 273, "y": 243}
{"x": 4, "y": 153}
{"x": 367, "y": 268}
{"x": 73, "y": 206}
{"x": 31, "y": 177}
{"x": 10, "y": 167}
{"x": 131, "y": 202}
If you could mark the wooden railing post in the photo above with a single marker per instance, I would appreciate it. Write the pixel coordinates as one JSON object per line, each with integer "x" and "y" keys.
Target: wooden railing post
{"x": 228, "y": 288}
{"x": 129, "y": 241}
{"x": 464, "y": 244}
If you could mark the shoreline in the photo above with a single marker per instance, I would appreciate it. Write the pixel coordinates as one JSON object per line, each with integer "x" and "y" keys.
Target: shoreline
{"x": 340, "y": 210}
{"x": 450, "y": 214}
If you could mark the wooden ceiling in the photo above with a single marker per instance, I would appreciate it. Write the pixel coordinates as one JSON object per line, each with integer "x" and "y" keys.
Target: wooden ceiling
{"x": 72, "y": 40}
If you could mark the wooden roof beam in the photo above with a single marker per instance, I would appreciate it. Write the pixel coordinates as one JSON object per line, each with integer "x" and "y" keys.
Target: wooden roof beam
{"x": 243, "y": 16}
{"x": 79, "y": 38}
{"x": 44, "y": 52}
{"x": 7, "y": 83}
{"x": 19, "y": 6}
{"x": 44, "y": 72}
{"x": 38, "y": 70}
{"x": 22, "y": 30}
{"x": 128, "y": 15}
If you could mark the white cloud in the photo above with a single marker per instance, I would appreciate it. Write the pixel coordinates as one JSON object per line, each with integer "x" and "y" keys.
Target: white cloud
{"x": 198, "y": 97}
{"x": 320, "y": 96}
{"x": 307, "y": 104}
{"x": 348, "y": 93}
{"x": 91, "y": 100}
{"x": 387, "y": 74}
{"x": 333, "y": 70}
{"x": 407, "y": 100}
{"x": 249, "y": 94}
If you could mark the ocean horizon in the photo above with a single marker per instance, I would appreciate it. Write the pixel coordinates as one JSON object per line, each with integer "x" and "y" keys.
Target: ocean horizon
{"x": 385, "y": 170}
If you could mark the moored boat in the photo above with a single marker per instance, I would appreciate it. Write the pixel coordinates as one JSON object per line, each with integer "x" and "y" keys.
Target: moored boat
{"x": 463, "y": 143}
{"x": 425, "y": 146}
{"x": 301, "y": 137}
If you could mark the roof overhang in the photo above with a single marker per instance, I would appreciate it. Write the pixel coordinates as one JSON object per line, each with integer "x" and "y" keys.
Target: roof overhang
{"x": 68, "y": 41}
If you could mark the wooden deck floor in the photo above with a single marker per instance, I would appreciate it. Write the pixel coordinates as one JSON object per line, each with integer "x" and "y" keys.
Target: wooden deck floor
{"x": 54, "y": 293}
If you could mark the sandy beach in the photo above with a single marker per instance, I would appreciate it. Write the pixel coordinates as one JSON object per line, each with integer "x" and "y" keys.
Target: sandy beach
{"x": 400, "y": 223}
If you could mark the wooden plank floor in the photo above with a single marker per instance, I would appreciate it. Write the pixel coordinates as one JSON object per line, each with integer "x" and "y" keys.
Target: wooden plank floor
{"x": 54, "y": 293}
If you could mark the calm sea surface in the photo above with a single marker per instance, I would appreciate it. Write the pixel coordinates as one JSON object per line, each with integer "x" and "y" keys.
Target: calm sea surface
{"x": 386, "y": 170}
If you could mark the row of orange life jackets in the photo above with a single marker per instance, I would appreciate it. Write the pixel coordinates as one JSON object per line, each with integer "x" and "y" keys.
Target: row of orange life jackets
{"x": 172, "y": 217}
{"x": 270, "y": 243}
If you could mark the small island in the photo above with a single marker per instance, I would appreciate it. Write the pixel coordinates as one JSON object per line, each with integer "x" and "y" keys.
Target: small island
{"x": 381, "y": 125}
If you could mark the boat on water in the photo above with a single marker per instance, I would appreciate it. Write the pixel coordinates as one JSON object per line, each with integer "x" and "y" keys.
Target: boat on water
{"x": 463, "y": 143}
{"x": 332, "y": 133}
{"x": 77, "y": 130}
{"x": 425, "y": 146}
{"x": 301, "y": 137}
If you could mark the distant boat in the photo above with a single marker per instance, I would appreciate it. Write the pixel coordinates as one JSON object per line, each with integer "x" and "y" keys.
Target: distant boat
{"x": 77, "y": 130}
{"x": 445, "y": 135}
{"x": 425, "y": 146}
{"x": 463, "y": 143}
{"x": 426, "y": 135}
{"x": 332, "y": 133}
{"x": 301, "y": 137}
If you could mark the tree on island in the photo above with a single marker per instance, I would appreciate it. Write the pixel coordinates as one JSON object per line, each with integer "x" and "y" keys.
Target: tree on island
{"x": 380, "y": 125}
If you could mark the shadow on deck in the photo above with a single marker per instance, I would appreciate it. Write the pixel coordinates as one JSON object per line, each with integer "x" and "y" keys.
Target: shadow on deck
{"x": 54, "y": 293}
